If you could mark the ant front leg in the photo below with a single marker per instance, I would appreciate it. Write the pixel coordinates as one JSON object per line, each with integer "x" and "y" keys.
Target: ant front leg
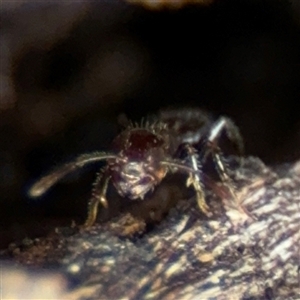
{"x": 98, "y": 196}
{"x": 195, "y": 181}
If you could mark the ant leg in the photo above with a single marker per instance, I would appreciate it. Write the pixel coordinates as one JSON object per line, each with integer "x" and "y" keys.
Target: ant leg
{"x": 222, "y": 171}
{"x": 231, "y": 130}
{"x": 233, "y": 133}
{"x": 195, "y": 181}
{"x": 226, "y": 180}
{"x": 98, "y": 196}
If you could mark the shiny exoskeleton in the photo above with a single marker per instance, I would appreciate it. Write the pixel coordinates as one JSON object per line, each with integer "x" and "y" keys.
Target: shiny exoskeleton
{"x": 141, "y": 156}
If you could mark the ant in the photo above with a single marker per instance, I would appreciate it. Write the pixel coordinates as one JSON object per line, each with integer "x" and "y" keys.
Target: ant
{"x": 176, "y": 140}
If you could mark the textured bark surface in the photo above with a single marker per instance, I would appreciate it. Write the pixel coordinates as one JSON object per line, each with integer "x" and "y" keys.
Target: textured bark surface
{"x": 188, "y": 256}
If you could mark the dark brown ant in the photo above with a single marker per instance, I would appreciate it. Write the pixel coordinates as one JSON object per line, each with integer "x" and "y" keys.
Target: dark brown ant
{"x": 142, "y": 155}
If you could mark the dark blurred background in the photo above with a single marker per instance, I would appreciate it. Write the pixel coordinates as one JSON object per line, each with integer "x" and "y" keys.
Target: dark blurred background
{"x": 68, "y": 70}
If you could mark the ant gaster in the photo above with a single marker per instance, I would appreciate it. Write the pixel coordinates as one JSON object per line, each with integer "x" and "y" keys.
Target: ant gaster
{"x": 142, "y": 155}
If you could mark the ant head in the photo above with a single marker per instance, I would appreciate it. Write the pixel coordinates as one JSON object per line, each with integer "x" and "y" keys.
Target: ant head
{"x": 137, "y": 169}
